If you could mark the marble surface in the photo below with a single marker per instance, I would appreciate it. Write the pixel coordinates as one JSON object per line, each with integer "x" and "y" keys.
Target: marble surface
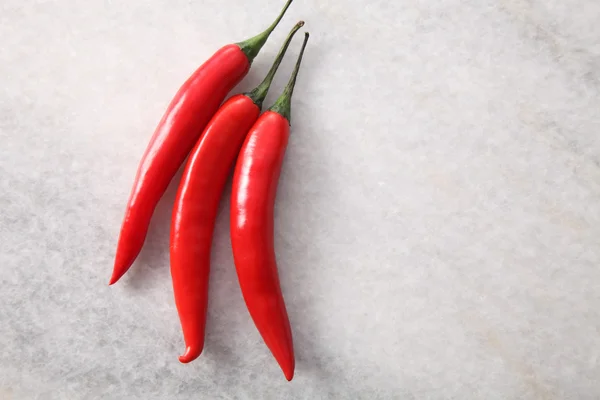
{"x": 437, "y": 219}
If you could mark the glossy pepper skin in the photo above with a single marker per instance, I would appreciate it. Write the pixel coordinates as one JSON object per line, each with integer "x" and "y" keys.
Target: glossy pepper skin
{"x": 186, "y": 117}
{"x": 254, "y": 190}
{"x": 197, "y": 204}
{"x": 195, "y": 213}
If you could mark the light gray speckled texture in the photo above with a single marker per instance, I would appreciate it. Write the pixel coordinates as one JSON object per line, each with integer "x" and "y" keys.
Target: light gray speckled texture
{"x": 437, "y": 219}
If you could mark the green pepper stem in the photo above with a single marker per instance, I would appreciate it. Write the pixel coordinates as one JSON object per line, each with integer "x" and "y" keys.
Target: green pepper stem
{"x": 283, "y": 105}
{"x": 252, "y": 46}
{"x": 260, "y": 92}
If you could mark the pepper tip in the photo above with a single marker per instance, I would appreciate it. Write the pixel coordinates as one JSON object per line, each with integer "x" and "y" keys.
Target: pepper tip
{"x": 190, "y": 355}
{"x": 289, "y": 375}
{"x": 113, "y": 280}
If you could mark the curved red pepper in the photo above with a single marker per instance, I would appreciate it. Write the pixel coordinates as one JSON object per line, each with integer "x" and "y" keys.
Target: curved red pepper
{"x": 186, "y": 116}
{"x": 197, "y": 203}
{"x": 254, "y": 189}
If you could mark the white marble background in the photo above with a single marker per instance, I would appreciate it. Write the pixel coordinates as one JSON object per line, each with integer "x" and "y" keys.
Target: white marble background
{"x": 437, "y": 219}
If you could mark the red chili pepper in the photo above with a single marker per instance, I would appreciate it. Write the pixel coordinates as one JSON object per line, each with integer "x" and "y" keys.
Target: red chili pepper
{"x": 254, "y": 188}
{"x": 197, "y": 203}
{"x": 183, "y": 122}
